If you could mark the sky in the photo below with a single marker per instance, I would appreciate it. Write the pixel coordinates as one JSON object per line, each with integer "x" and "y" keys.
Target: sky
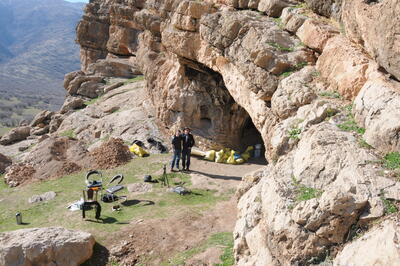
{"x": 74, "y": 1}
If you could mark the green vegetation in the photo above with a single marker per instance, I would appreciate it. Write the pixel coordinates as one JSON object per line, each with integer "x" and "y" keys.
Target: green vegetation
{"x": 305, "y": 193}
{"x": 316, "y": 74}
{"x": 155, "y": 204}
{"x": 223, "y": 240}
{"x": 278, "y": 22}
{"x": 132, "y": 80}
{"x": 290, "y": 71}
{"x": 330, "y": 112}
{"x": 350, "y": 124}
{"x": 392, "y": 160}
{"x": 92, "y": 101}
{"x": 390, "y": 207}
{"x": 4, "y": 130}
{"x": 68, "y": 133}
{"x": 301, "y": 5}
{"x": 280, "y": 47}
{"x": 294, "y": 133}
{"x": 330, "y": 94}
{"x": 364, "y": 144}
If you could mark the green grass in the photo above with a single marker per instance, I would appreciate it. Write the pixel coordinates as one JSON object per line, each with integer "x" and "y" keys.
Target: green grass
{"x": 68, "y": 133}
{"x": 364, "y": 144}
{"x": 305, "y": 193}
{"x": 330, "y": 94}
{"x": 389, "y": 206}
{"x": 350, "y": 124}
{"x": 330, "y": 112}
{"x": 156, "y": 204}
{"x": 281, "y": 47}
{"x": 294, "y": 133}
{"x": 136, "y": 79}
{"x": 278, "y": 22}
{"x": 293, "y": 69}
{"x": 392, "y": 160}
{"x": 4, "y": 130}
{"x": 92, "y": 101}
{"x": 222, "y": 240}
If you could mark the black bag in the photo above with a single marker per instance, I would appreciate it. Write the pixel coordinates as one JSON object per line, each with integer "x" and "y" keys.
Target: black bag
{"x": 109, "y": 198}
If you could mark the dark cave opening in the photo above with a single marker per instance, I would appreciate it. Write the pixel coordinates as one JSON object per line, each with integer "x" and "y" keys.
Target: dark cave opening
{"x": 218, "y": 118}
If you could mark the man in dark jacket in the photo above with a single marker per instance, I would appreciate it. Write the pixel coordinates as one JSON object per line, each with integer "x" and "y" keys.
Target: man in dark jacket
{"x": 177, "y": 149}
{"x": 187, "y": 144}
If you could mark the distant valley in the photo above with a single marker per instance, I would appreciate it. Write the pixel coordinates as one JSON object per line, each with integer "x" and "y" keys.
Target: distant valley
{"x": 37, "y": 48}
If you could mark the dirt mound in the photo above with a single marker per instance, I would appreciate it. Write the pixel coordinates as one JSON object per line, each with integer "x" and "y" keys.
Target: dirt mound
{"x": 111, "y": 154}
{"x": 19, "y": 174}
{"x": 51, "y": 158}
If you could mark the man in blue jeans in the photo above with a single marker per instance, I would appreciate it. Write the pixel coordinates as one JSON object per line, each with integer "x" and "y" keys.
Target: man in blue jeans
{"x": 177, "y": 149}
{"x": 187, "y": 144}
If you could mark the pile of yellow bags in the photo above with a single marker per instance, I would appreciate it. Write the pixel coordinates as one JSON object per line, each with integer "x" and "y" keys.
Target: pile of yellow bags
{"x": 227, "y": 155}
{"x": 139, "y": 151}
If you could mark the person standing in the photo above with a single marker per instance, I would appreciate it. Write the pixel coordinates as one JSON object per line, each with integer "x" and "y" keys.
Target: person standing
{"x": 177, "y": 149}
{"x": 187, "y": 144}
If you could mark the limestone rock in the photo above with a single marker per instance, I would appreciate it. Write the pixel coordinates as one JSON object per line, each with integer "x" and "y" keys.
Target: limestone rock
{"x": 382, "y": 240}
{"x": 78, "y": 83}
{"x": 377, "y": 109}
{"x": 273, "y": 8}
{"x": 374, "y": 25}
{"x": 39, "y": 131}
{"x": 275, "y": 226}
{"x": 293, "y": 92}
{"x": 42, "y": 118}
{"x": 72, "y": 103}
{"x": 293, "y": 18}
{"x": 43, "y": 197}
{"x": 55, "y": 122}
{"x": 315, "y": 34}
{"x": 45, "y": 246}
{"x": 327, "y": 8}
{"x": 4, "y": 163}
{"x": 15, "y": 135}
{"x": 345, "y": 66}
{"x": 113, "y": 67}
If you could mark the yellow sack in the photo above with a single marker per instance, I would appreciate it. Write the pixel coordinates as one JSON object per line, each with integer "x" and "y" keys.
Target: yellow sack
{"x": 231, "y": 158}
{"x": 239, "y": 161}
{"x": 210, "y": 155}
{"x": 139, "y": 151}
{"x": 219, "y": 156}
{"x": 245, "y": 156}
{"x": 227, "y": 153}
{"x": 249, "y": 149}
{"x": 197, "y": 152}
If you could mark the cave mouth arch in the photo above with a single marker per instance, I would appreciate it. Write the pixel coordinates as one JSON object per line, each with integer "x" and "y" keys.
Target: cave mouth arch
{"x": 217, "y": 120}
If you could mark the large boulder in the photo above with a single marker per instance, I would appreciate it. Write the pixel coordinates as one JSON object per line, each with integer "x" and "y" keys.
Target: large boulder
{"x": 42, "y": 118}
{"x": 375, "y": 25}
{"x": 379, "y": 246}
{"x": 15, "y": 135}
{"x": 4, "y": 163}
{"x": 45, "y": 246}
{"x": 72, "y": 103}
{"x": 327, "y": 8}
{"x": 309, "y": 199}
{"x": 377, "y": 109}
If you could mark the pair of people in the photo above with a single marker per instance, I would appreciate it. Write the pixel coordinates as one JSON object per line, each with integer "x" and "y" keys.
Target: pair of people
{"x": 182, "y": 144}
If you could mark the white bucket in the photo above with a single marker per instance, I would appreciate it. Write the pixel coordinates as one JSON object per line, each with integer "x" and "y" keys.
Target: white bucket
{"x": 257, "y": 151}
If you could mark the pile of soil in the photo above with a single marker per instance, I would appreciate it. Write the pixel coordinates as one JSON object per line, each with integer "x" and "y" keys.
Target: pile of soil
{"x": 111, "y": 153}
{"x": 19, "y": 174}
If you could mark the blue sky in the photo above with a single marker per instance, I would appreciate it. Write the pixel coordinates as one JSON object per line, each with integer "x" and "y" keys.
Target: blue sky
{"x": 74, "y": 1}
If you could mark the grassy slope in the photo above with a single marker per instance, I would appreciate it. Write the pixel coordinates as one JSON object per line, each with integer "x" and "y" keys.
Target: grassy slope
{"x": 69, "y": 189}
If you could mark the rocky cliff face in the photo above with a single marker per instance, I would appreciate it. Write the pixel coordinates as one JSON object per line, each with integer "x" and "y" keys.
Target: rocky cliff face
{"x": 318, "y": 80}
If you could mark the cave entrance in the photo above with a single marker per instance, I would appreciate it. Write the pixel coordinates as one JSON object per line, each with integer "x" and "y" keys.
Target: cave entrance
{"x": 250, "y": 136}
{"x": 214, "y": 116}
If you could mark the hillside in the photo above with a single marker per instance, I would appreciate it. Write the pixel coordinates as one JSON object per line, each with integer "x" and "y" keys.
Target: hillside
{"x": 37, "y": 48}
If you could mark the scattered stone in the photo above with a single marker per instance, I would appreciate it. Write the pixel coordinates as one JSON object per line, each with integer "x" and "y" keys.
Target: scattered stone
{"x": 72, "y": 103}
{"x": 45, "y": 246}
{"x": 18, "y": 174}
{"x": 41, "y": 119}
{"x": 15, "y": 135}
{"x": 140, "y": 188}
{"x": 42, "y": 197}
